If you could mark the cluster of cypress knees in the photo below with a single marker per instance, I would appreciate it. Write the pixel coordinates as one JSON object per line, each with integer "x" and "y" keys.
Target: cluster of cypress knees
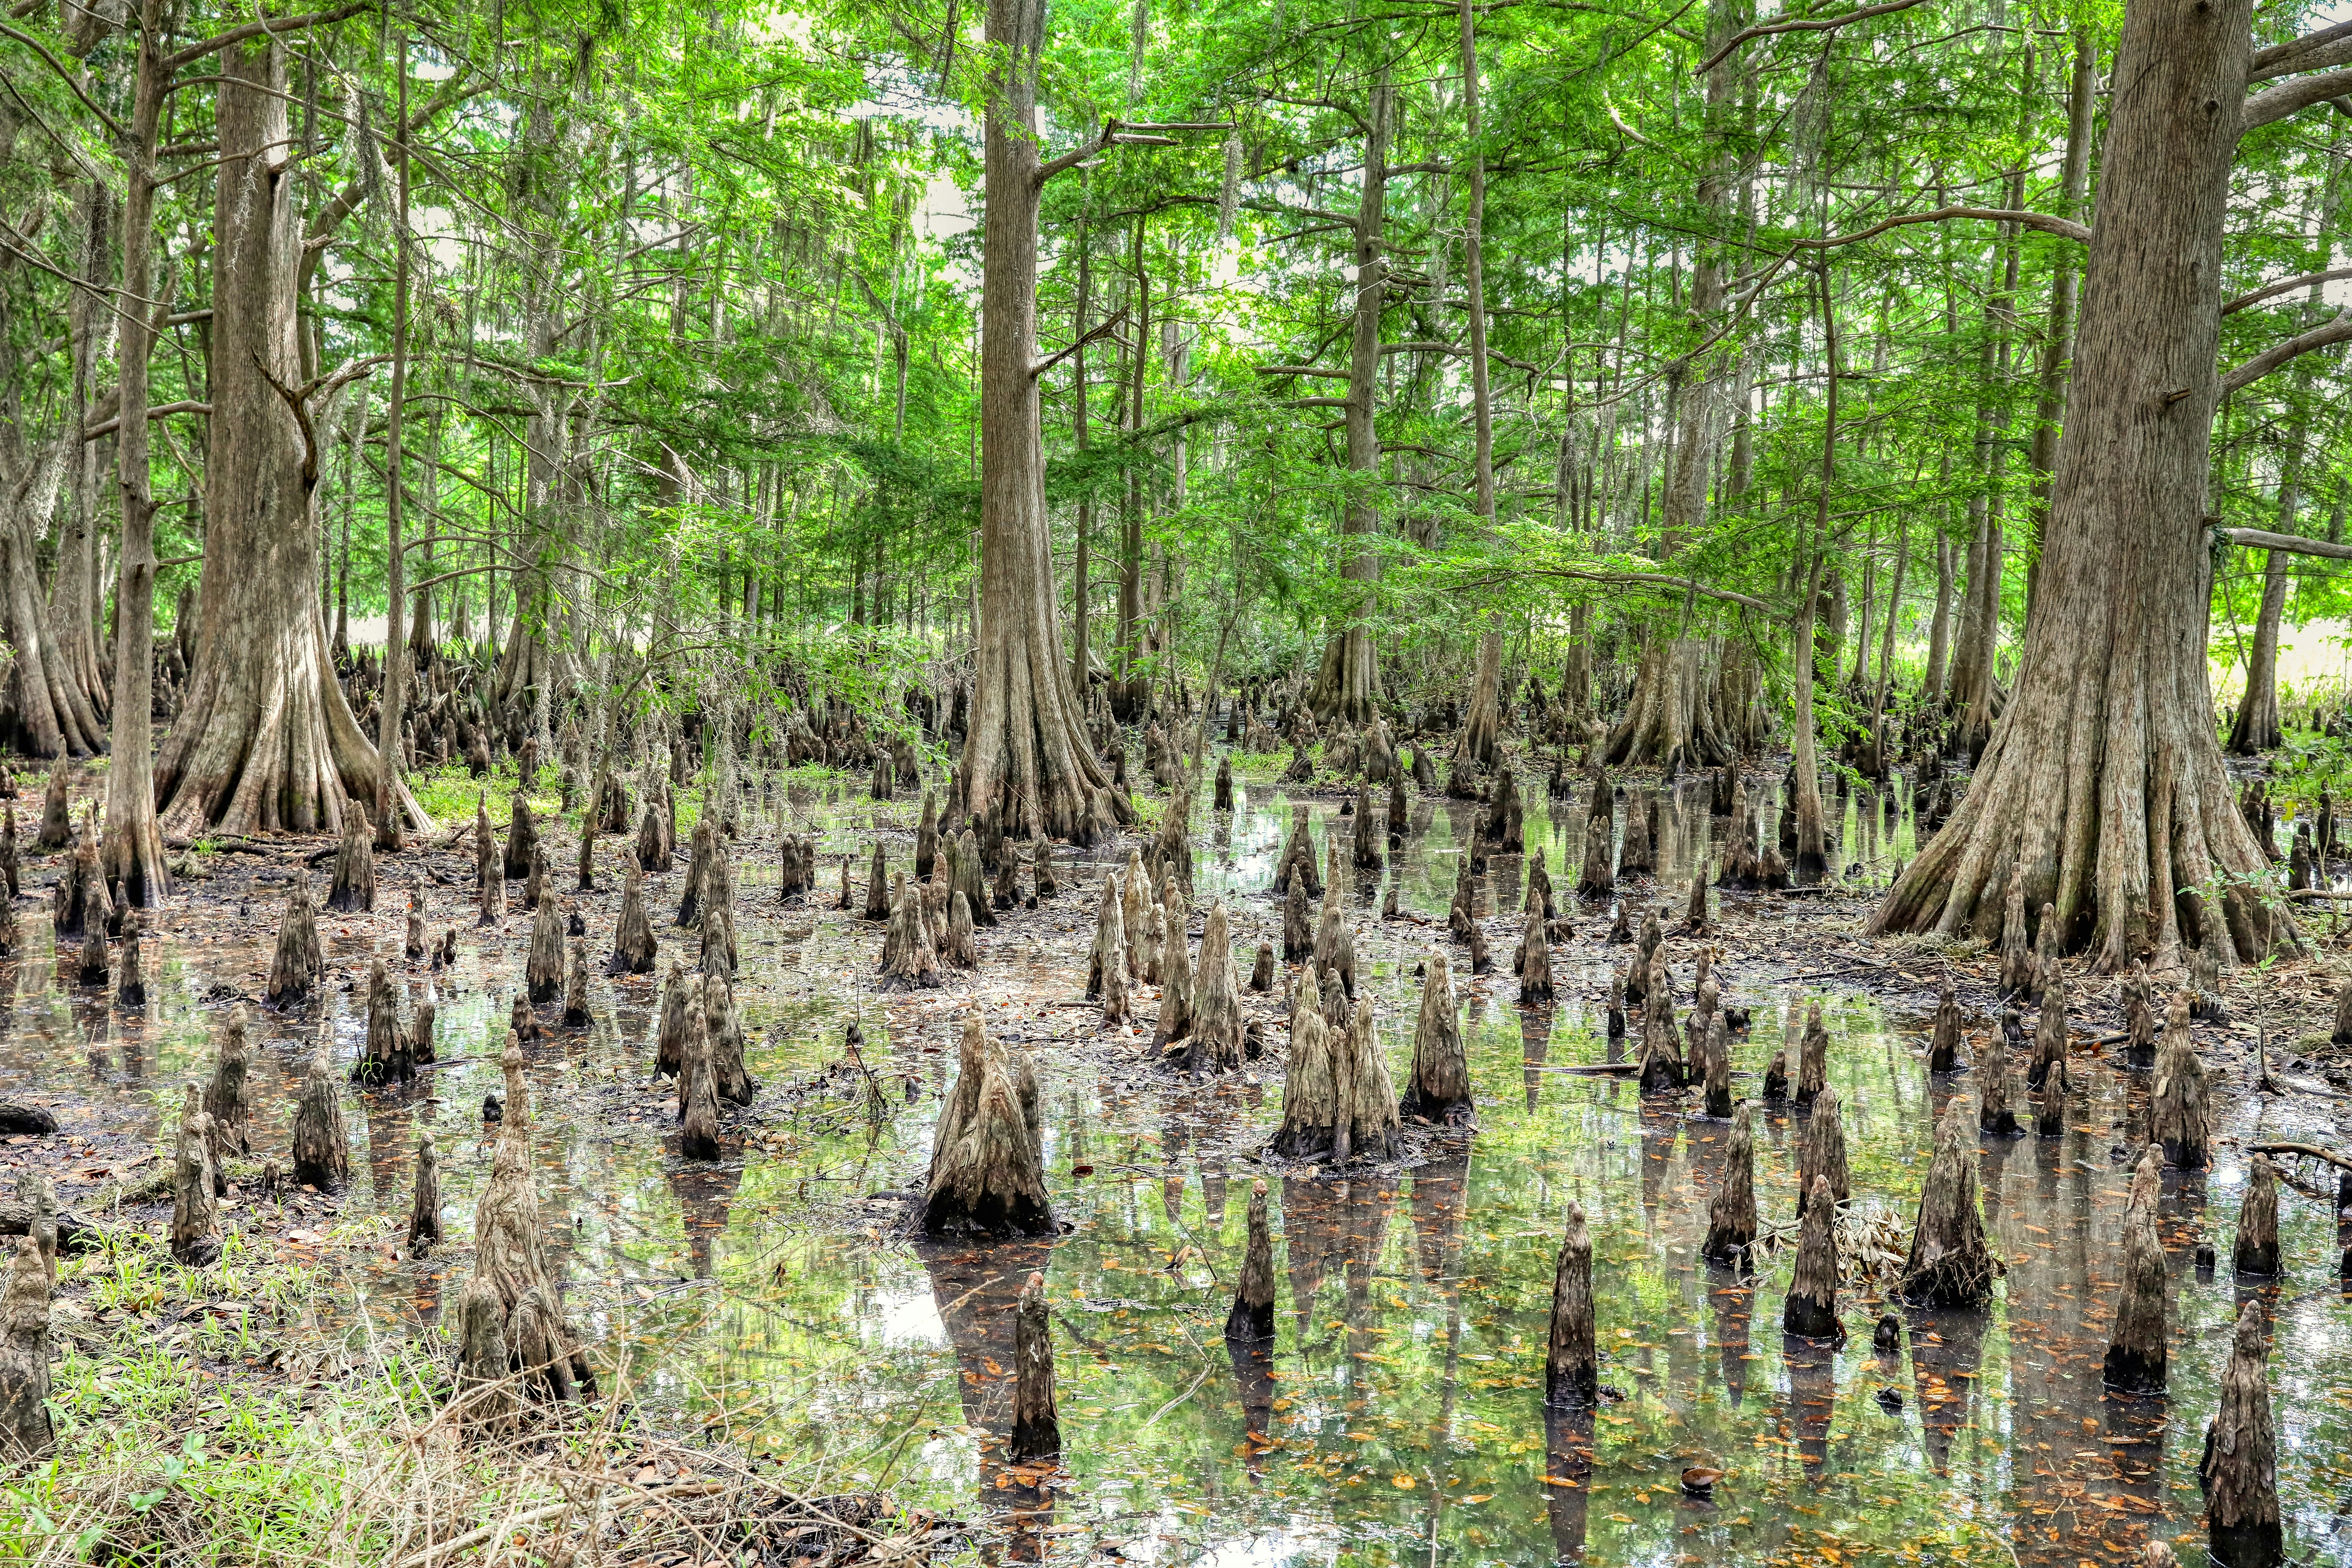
{"x": 987, "y": 1177}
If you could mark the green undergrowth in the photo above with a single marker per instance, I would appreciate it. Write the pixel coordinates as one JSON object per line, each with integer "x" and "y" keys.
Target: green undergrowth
{"x": 255, "y": 1413}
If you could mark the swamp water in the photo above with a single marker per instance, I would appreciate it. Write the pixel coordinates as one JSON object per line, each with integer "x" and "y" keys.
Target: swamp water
{"x": 1398, "y": 1417}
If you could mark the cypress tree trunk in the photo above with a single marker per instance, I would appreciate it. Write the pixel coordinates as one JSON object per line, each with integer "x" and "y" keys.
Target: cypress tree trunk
{"x": 2104, "y": 778}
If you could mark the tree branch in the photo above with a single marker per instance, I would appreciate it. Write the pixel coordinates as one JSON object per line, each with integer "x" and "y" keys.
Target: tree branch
{"x": 2292, "y": 98}
{"x": 113, "y": 127}
{"x": 2283, "y": 286}
{"x": 219, "y": 41}
{"x": 2287, "y": 543}
{"x": 2065, "y": 228}
{"x": 2326, "y": 335}
{"x": 1825, "y": 25}
{"x": 155, "y": 411}
{"x": 2311, "y": 52}
{"x": 1102, "y": 329}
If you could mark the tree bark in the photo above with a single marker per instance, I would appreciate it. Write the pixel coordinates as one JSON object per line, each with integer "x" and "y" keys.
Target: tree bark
{"x": 2256, "y": 727}
{"x": 2104, "y": 777}
{"x": 1026, "y": 758}
{"x": 1347, "y": 683}
{"x": 395, "y": 643}
{"x": 265, "y": 739}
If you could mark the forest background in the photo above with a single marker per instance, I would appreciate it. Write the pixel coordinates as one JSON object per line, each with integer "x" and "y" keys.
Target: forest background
{"x": 668, "y": 319}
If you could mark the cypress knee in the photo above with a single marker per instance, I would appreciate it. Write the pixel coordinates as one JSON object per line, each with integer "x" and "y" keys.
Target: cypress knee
{"x": 730, "y": 1078}
{"x": 522, "y": 837}
{"x": 2179, "y": 1105}
{"x": 229, "y": 1098}
{"x": 1217, "y": 1031}
{"x": 697, "y": 1094}
{"x": 1594, "y": 876}
{"x": 1534, "y": 965}
{"x": 2050, "y": 1030}
{"x": 1309, "y": 1089}
{"x": 1297, "y": 937}
{"x": 2016, "y": 955}
{"x": 1732, "y": 1220}
{"x": 93, "y": 967}
{"x": 1439, "y": 1087}
{"x": 2138, "y": 1348}
{"x": 490, "y": 875}
{"x": 25, "y": 1432}
{"x": 1944, "y": 1045}
{"x": 131, "y": 977}
{"x": 987, "y": 1174}
{"x": 1822, "y": 1153}
{"x": 962, "y": 951}
{"x": 544, "y": 972}
{"x": 57, "y": 817}
{"x": 195, "y": 1207}
{"x": 1252, "y": 1317}
{"x": 296, "y": 966}
{"x": 2343, "y": 1033}
{"x": 1811, "y": 1309}
{"x": 927, "y": 837}
{"x": 1813, "y": 1059}
{"x": 420, "y": 1032}
{"x": 1719, "y": 1069}
{"x": 1261, "y": 978}
{"x": 1110, "y": 934}
{"x": 425, "y": 1208}
{"x": 354, "y": 883}
{"x": 575, "y": 987}
{"x": 2257, "y": 1251}
{"x": 669, "y": 1039}
{"x": 323, "y": 1156}
{"x": 2238, "y": 1471}
{"x": 965, "y": 876}
{"x": 1036, "y": 1433}
{"x": 385, "y": 1059}
{"x": 634, "y": 948}
{"x": 909, "y": 961}
{"x": 1950, "y": 1265}
{"x": 1571, "y": 1365}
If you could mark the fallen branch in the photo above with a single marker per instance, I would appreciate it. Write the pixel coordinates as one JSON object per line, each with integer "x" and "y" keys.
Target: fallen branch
{"x": 2309, "y": 1150}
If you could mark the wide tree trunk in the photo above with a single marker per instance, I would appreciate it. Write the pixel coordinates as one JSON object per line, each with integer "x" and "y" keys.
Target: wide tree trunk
{"x": 1027, "y": 750}
{"x": 265, "y": 740}
{"x": 1347, "y": 683}
{"x": 54, "y": 718}
{"x": 2104, "y": 777}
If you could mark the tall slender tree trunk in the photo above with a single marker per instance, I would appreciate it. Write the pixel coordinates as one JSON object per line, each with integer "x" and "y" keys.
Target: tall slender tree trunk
{"x": 1347, "y": 684}
{"x": 1080, "y": 434}
{"x": 1940, "y": 629}
{"x": 1026, "y": 751}
{"x": 2058, "y": 339}
{"x": 395, "y": 642}
{"x": 132, "y": 849}
{"x": 2256, "y": 727}
{"x": 1671, "y": 718}
{"x": 2105, "y": 781}
{"x": 1812, "y": 859}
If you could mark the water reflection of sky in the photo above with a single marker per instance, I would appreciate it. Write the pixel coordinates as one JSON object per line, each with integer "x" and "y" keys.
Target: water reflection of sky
{"x": 1398, "y": 1415}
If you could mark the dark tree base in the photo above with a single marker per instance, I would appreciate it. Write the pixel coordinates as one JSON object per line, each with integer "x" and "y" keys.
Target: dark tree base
{"x": 1659, "y": 1077}
{"x": 1034, "y": 1440}
{"x": 2262, "y": 1261}
{"x": 2246, "y": 1545}
{"x": 1577, "y": 1388}
{"x": 2130, "y": 1372}
{"x": 1249, "y": 1324}
{"x": 2000, "y": 1124}
{"x": 1731, "y": 1251}
{"x": 994, "y": 1217}
{"x": 1437, "y": 1114}
{"x": 1808, "y": 1319}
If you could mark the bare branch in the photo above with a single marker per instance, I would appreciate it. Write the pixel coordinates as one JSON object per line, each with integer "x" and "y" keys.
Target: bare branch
{"x": 2065, "y": 228}
{"x": 2293, "y": 97}
{"x": 1824, "y": 24}
{"x": 2311, "y": 52}
{"x": 220, "y": 41}
{"x": 113, "y": 127}
{"x": 2326, "y": 335}
{"x": 2283, "y": 286}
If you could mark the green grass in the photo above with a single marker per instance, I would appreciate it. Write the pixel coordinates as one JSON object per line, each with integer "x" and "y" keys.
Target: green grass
{"x": 449, "y": 793}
